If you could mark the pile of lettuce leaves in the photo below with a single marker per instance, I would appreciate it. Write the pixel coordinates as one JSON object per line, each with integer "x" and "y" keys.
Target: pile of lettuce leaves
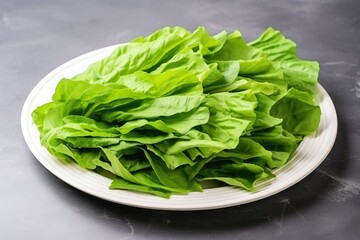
{"x": 166, "y": 113}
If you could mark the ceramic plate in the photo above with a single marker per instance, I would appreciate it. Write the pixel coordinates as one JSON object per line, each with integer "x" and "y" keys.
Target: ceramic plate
{"x": 311, "y": 152}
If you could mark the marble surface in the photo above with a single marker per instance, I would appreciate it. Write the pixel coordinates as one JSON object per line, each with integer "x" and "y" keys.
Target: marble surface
{"x": 36, "y": 36}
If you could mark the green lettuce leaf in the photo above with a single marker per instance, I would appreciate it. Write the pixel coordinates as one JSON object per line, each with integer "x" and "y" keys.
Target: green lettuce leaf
{"x": 299, "y": 74}
{"x": 168, "y": 112}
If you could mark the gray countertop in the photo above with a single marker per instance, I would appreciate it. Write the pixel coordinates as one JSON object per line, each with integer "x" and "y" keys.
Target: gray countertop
{"x": 37, "y": 36}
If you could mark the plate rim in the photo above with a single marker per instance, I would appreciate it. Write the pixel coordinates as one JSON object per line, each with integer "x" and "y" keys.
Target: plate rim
{"x": 158, "y": 204}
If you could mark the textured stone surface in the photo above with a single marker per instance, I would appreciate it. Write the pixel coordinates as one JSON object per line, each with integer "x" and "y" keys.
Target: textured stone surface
{"x": 37, "y": 36}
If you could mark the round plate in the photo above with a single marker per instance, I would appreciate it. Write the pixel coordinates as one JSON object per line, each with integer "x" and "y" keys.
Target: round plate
{"x": 311, "y": 152}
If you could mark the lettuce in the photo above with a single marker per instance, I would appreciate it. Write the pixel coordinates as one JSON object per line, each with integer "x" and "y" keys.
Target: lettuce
{"x": 166, "y": 112}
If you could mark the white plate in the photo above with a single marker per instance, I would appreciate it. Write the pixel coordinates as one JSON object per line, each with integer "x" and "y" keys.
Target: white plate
{"x": 311, "y": 152}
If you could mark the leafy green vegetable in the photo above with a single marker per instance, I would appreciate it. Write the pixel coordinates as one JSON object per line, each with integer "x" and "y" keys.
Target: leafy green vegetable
{"x": 165, "y": 112}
